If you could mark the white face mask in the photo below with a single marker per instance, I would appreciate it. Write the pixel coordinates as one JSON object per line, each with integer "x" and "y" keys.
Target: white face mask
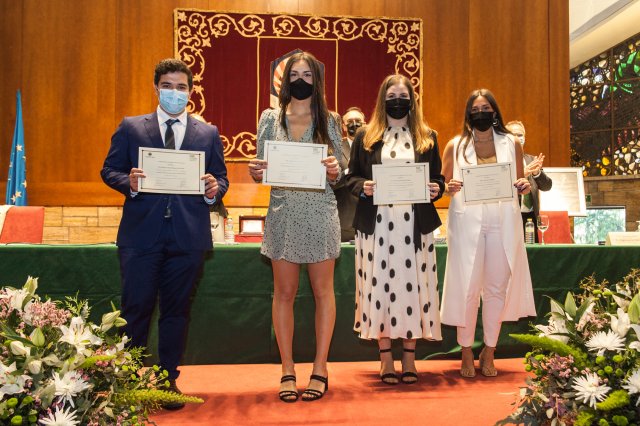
{"x": 173, "y": 101}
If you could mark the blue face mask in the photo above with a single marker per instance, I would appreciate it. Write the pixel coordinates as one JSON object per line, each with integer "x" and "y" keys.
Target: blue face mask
{"x": 173, "y": 101}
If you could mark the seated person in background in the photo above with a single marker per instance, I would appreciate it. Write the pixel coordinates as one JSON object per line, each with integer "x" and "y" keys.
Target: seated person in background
{"x": 352, "y": 120}
{"x": 530, "y": 203}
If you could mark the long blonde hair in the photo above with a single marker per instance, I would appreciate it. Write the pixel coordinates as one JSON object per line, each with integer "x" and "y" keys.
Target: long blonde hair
{"x": 420, "y": 131}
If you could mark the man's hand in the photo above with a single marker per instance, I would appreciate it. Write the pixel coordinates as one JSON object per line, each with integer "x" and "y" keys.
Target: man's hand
{"x": 134, "y": 174}
{"x": 210, "y": 185}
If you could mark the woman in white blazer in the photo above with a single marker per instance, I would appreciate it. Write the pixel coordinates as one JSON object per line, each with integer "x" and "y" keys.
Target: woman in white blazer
{"x": 486, "y": 253}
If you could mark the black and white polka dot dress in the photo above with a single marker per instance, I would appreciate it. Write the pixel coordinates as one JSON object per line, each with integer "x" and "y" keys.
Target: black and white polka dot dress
{"x": 302, "y": 225}
{"x": 396, "y": 287}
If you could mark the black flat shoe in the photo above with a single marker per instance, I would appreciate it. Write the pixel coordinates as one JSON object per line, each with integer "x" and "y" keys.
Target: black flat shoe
{"x": 174, "y": 405}
{"x": 288, "y": 395}
{"x": 312, "y": 394}
{"x": 388, "y": 378}
{"x": 409, "y": 377}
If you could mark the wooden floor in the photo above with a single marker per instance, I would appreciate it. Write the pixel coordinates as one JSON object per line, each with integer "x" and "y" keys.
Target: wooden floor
{"x": 247, "y": 395}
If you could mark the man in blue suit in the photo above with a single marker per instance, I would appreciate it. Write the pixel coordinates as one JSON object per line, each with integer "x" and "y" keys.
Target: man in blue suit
{"x": 162, "y": 238}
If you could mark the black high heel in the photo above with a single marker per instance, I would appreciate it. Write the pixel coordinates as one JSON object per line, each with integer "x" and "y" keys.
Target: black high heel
{"x": 408, "y": 377}
{"x": 286, "y": 395}
{"x": 388, "y": 378}
{"x": 312, "y": 394}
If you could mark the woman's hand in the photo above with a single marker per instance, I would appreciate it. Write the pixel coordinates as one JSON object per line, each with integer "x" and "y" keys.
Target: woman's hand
{"x": 523, "y": 186}
{"x": 256, "y": 169}
{"x": 434, "y": 189}
{"x": 453, "y": 186}
{"x": 368, "y": 187}
{"x": 333, "y": 168}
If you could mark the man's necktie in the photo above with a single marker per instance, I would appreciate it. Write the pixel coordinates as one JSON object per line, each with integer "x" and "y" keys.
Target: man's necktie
{"x": 169, "y": 143}
{"x": 169, "y": 138}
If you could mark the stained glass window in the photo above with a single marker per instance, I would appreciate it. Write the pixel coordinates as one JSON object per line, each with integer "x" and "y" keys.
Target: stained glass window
{"x": 605, "y": 112}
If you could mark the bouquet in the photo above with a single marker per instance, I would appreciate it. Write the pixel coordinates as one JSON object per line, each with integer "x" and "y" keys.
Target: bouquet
{"x": 57, "y": 368}
{"x": 586, "y": 361}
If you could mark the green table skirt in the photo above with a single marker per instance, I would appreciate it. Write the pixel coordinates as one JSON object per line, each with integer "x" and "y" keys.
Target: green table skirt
{"x": 231, "y": 310}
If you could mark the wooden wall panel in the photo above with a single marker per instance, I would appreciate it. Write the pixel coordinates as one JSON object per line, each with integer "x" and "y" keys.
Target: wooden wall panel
{"x": 11, "y": 54}
{"x": 83, "y": 68}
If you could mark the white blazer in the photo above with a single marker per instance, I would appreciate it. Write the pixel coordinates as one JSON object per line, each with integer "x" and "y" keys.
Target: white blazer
{"x": 463, "y": 231}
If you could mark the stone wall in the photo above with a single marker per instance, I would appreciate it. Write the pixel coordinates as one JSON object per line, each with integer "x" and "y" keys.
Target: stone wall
{"x": 616, "y": 191}
{"x": 95, "y": 225}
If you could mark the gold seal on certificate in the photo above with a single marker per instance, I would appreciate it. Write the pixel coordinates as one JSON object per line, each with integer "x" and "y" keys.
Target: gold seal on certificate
{"x": 487, "y": 183}
{"x": 171, "y": 171}
{"x": 295, "y": 164}
{"x": 401, "y": 183}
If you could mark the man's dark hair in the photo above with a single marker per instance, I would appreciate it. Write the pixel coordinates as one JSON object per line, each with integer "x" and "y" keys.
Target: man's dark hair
{"x": 170, "y": 65}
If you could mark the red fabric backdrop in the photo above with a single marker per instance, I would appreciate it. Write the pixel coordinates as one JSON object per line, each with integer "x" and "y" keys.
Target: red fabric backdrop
{"x": 230, "y": 55}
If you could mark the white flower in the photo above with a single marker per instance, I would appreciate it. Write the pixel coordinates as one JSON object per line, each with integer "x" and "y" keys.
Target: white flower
{"x": 555, "y": 326}
{"x": 16, "y": 297}
{"x": 621, "y": 323}
{"x": 69, "y": 385}
{"x": 605, "y": 341}
{"x": 623, "y": 302}
{"x": 61, "y": 418}
{"x": 78, "y": 335}
{"x": 632, "y": 383}
{"x": 585, "y": 318}
{"x": 589, "y": 389}
{"x": 9, "y": 383}
{"x": 18, "y": 348}
{"x": 35, "y": 366}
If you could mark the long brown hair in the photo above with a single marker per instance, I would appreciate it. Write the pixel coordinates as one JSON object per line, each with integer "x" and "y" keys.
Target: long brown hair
{"x": 319, "y": 110}
{"x": 467, "y": 130}
{"x": 420, "y": 131}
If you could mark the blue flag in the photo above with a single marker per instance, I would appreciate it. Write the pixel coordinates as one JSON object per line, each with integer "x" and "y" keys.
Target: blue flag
{"x": 17, "y": 180}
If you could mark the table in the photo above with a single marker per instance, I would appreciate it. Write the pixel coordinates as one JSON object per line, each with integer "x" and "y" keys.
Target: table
{"x": 231, "y": 311}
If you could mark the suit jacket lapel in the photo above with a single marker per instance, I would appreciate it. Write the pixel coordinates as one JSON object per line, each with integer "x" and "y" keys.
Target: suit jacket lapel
{"x": 153, "y": 130}
{"x": 345, "y": 150}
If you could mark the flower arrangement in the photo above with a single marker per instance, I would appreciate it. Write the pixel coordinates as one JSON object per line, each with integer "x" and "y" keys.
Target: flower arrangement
{"x": 586, "y": 361}
{"x": 57, "y": 368}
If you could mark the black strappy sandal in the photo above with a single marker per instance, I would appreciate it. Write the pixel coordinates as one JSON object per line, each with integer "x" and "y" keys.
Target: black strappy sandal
{"x": 285, "y": 395}
{"x": 312, "y": 394}
{"x": 408, "y": 377}
{"x": 388, "y": 378}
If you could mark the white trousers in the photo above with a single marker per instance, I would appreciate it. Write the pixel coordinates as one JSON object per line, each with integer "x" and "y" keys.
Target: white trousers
{"x": 490, "y": 277}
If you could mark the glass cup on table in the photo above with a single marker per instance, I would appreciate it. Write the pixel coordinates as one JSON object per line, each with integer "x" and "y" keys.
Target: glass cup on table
{"x": 543, "y": 224}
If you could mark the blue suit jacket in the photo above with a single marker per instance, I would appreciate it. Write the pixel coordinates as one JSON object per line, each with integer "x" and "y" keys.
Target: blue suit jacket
{"x": 143, "y": 215}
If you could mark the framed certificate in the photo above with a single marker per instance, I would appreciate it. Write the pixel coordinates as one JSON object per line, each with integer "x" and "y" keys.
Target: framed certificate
{"x": 295, "y": 164}
{"x": 401, "y": 183}
{"x": 566, "y": 193}
{"x": 251, "y": 225}
{"x": 171, "y": 171}
{"x": 488, "y": 183}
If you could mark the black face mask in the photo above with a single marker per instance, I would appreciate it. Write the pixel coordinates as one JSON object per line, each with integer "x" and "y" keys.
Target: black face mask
{"x": 397, "y": 107}
{"x": 481, "y": 120}
{"x": 300, "y": 89}
{"x": 352, "y": 128}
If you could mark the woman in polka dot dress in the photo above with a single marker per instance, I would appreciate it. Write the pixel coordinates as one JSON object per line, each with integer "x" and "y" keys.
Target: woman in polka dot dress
{"x": 302, "y": 225}
{"x": 396, "y": 280}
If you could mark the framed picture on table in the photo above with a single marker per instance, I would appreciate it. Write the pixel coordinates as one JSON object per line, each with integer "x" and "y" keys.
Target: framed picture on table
{"x": 251, "y": 225}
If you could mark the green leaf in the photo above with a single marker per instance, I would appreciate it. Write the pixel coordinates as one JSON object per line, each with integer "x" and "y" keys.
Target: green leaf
{"x": 634, "y": 309}
{"x": 570, "y": 305}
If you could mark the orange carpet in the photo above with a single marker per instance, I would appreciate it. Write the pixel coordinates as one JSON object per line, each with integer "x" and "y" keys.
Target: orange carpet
{"x": 247, "y": 395}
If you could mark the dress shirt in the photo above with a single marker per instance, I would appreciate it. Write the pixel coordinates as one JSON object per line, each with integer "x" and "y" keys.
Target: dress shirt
{"x": 179, "y": 127}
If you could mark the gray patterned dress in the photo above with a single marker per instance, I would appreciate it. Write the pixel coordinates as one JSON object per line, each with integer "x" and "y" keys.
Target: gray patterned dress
{"x": 302, "y": 225}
